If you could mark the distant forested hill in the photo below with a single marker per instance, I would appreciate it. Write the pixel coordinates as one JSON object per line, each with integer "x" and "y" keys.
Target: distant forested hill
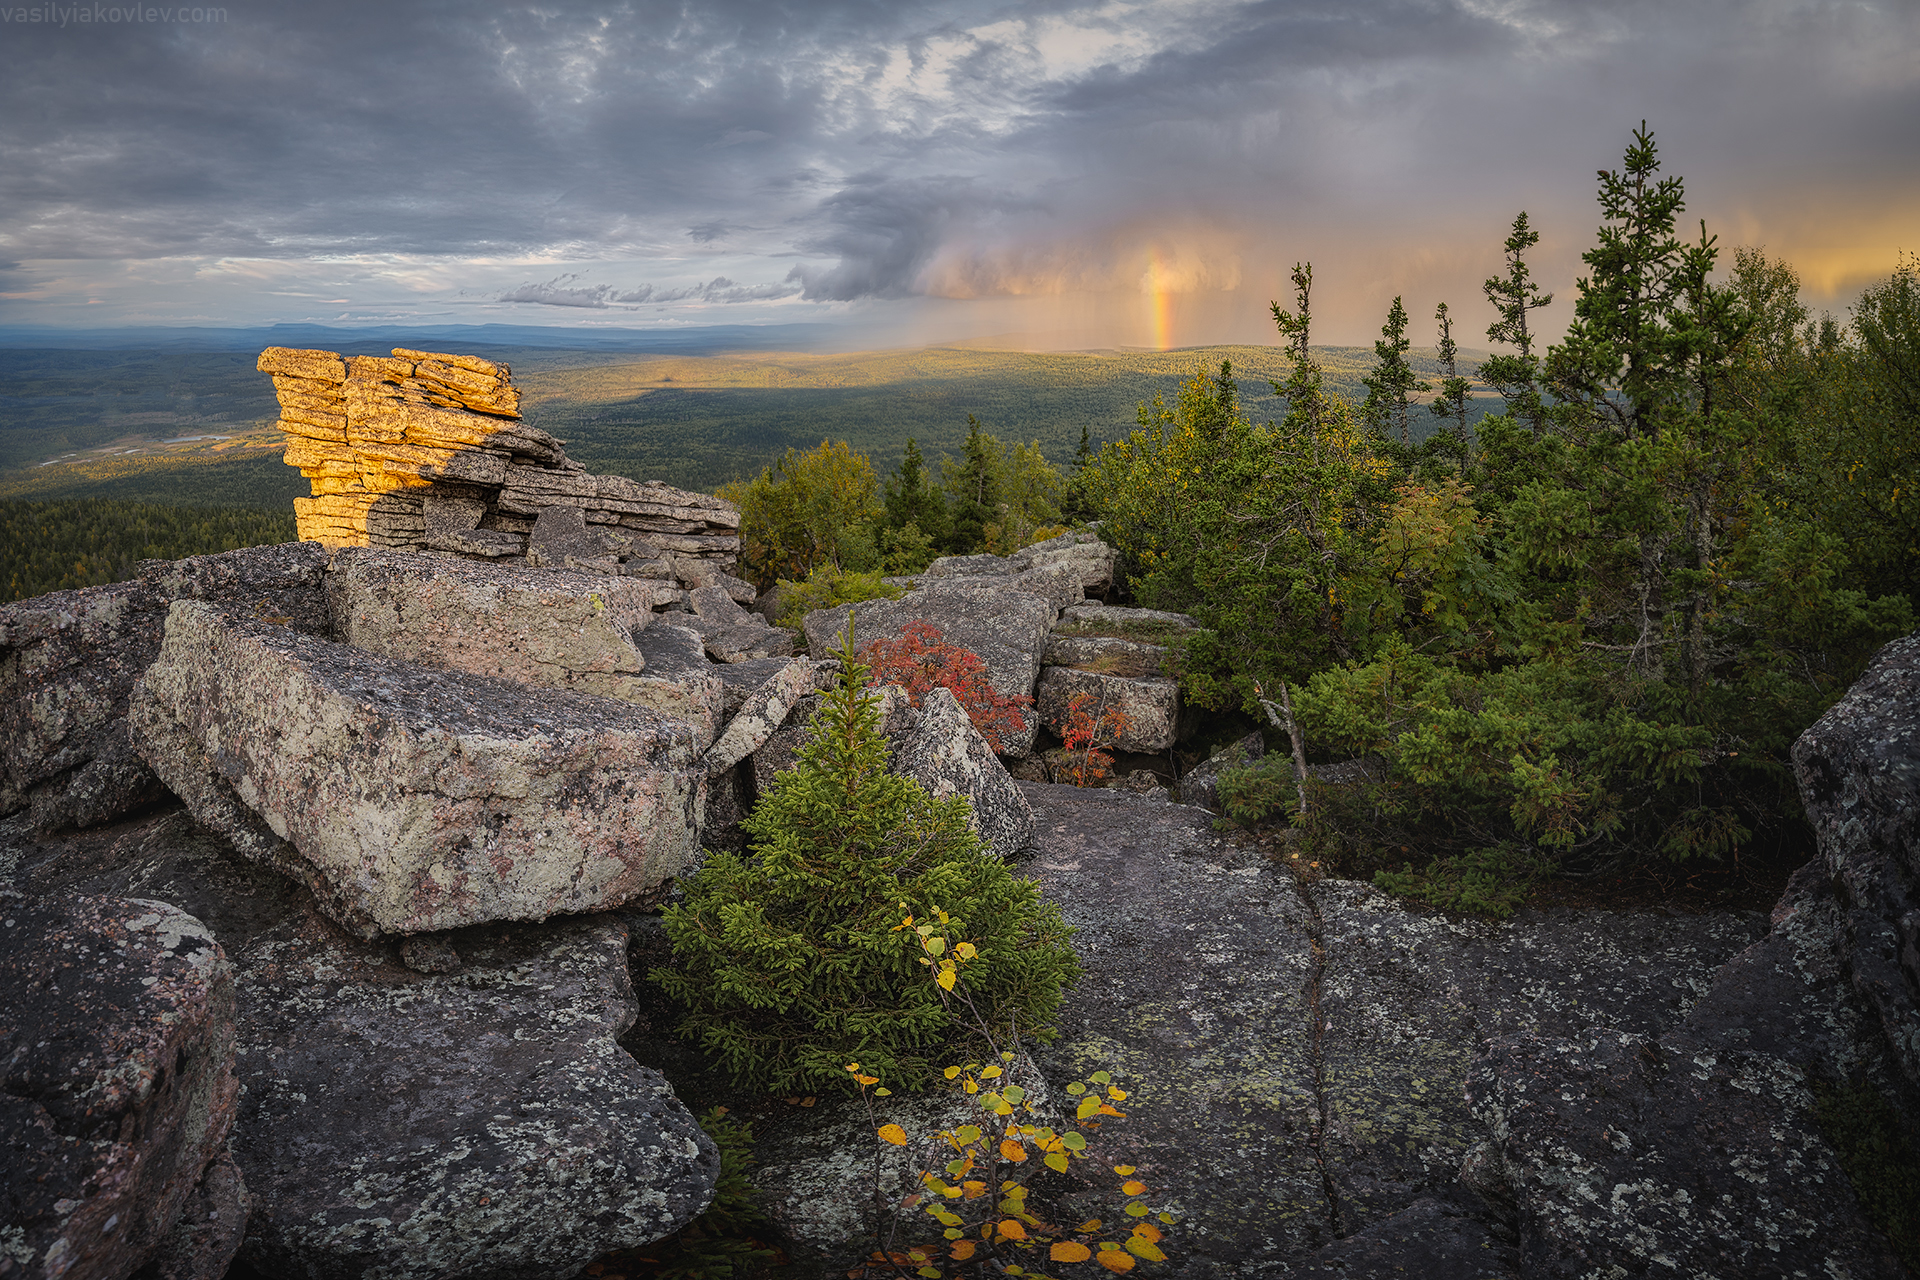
{"x": 50, "y": 546}
{"x": 195, "y": 426}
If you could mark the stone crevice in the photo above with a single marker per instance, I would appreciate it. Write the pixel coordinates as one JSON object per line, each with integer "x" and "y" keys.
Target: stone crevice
{"x": 1317, "y": 1027}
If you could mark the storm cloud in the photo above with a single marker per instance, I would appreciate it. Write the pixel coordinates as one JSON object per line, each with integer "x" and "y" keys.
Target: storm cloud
{"x": 598, "y": 160}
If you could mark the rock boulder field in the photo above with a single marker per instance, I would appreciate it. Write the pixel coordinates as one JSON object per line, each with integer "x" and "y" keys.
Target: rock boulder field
{"x": 330, "y": 877}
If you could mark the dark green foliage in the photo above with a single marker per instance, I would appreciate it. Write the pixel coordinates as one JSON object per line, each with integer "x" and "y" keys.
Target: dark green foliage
{"x": 912, "y": 499}
{"x": 1871, "y": 1141}
{"x": 793, "y": 963}
{"x": 1489, "y": 882}
{"x": 51, "y": 546}
{"x": 723, "y": 1243}
{"x": 1387, "y": 410}
{"x": 1256, "y": 792}
{"x": 1587, "y": 630}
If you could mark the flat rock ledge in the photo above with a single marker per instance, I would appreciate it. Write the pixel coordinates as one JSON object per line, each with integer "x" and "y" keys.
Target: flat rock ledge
{"x": 483, "y": 1123}
{"x": 410, "y": 800}
{"x": 117, "y": 1086}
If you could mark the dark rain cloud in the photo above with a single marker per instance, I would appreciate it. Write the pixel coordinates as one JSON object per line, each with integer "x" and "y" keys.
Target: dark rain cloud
{"x": 796, "y": 140}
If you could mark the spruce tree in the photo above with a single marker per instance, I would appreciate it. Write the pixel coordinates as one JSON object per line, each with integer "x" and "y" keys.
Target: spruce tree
{"x": 1451, "y": 404}
{"x": 974, "y": 491}
{"x": 1392, "y": 378}
{"x": 1516, "y": 376}
{"x": 791, "y": 962}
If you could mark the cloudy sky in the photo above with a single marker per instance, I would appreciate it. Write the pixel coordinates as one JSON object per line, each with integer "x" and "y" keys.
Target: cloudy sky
{"x": 1057, "y": 173}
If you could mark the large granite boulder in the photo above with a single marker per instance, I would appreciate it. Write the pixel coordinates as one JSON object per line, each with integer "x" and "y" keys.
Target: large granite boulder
{"x": 1150, "y": 705}
{"x": 68, "y": 661}
{"x": 1006, "y": 629}
{"x": 481, "y": 1121}
{"x": 1859, "y": 773}
{"x": 412, "y": 800}
{"x": 117, "y": 1089}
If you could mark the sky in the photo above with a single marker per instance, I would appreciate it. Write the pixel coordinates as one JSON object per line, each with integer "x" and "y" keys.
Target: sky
{"x": 902, "y": 172}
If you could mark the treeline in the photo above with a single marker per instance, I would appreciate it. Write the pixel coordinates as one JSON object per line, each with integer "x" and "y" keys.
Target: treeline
{"x": 51, "y": 546}
{"x": 1587, "y": 630}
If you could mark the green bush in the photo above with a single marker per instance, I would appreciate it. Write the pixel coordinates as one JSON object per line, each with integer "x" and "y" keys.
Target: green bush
{"x": 1253, "y": 793}
{"x": 1487, "y": 882}
{"x": 793, "y": 962}
{"x": 827, "y": 586}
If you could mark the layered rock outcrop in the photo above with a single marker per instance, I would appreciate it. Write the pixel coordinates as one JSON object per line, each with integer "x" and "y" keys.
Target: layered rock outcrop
{"x": 426, "y": 451}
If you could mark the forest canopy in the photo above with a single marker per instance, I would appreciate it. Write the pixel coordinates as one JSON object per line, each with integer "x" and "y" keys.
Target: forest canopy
{"x": 1590, "y": 627}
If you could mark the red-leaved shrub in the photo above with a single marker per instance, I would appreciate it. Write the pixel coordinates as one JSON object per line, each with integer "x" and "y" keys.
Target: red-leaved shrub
{"x": 921, "y": 660}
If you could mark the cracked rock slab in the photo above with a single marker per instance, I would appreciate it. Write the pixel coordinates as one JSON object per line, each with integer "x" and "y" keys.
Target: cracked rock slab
{"x": 117, "y": 1088}
{"x": 412, "y": 800}
{"x": 68, "y": 661}
{"x": 400, "y": 1126}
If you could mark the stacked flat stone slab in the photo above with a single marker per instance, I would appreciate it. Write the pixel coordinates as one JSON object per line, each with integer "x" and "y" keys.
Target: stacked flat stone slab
{"x": 411, "y": 800}
{"x": 427, "y": 451}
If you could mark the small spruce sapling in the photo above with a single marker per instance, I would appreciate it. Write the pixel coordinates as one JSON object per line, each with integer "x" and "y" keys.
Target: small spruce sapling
{"x": 787, "y": 962}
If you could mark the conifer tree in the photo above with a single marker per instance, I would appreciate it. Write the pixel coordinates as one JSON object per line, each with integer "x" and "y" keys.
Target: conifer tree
{"x": 974, "y": 490}
{"x": 1451, "y": 404}
{"x": 1516, "y": 376}
{"x": 792, "y": 963}
{"x": 1392, "y": 378}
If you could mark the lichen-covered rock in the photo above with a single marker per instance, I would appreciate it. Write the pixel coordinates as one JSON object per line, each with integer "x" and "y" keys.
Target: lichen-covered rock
{"x": 484, "y": 1125}
{"x": 1092, "y": 560}
{"x": 1858, "y": 769}
{"x": 211, "y": 1227}
{"x": 1623, "y": 1154}
{"x": 117, "y": 1087}
{"x": 511, "y": 1060}
{"x": 938, "y": 747}
{"x": 763, "y": 711}
{"x": 1006, "y": 630}
{"x": 1058, "y": 584}
{"x": 1693, "y": 1148}
{"x": 1116, "y": 619}
{"x": 1150, "y": 705}
{"x": 68, "y": 661}
{"x": 412, "y": 800}
{"x": 1104, "y": 653}
{"x": 1320, "y": 1033}
{"x": 1443, "y": 1236}
{"x": 556, "y": 628}
{"x": 681, "y": 681}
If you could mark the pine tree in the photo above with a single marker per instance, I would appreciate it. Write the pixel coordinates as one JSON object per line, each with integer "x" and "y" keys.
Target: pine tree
{"x": 974, "y": 490}
{"x": 1392, "y": 378}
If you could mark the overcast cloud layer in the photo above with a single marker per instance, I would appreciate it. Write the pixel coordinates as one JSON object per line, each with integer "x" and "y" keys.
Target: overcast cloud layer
{"x": 1119, "y": 173}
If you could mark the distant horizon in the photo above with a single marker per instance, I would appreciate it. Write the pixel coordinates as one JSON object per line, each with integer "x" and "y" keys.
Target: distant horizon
{"x": 1084, "y": 175}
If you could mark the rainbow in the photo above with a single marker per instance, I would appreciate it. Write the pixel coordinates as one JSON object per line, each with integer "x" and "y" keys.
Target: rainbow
{"x": 1159, "y": 298}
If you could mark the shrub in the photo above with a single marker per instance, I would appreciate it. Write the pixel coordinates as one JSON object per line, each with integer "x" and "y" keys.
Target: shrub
{"x": 920, "y": 661}
{"x": 827, "y": 586}
{"x": 1488, "y": 882}
{"x": 1082, "y": 761}
{"x": 976, "y": 1176}
{"x": 788, "y": 962}
{"x": 1253, "y": 793}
